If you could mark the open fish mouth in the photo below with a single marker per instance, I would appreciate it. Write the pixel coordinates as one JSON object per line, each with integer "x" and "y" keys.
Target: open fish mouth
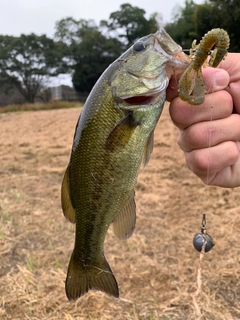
{"x": 150, "y": 96}
{"x": 139, "y": 100}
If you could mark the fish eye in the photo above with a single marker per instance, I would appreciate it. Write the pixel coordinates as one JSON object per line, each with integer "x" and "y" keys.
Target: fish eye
{"x": 139, "y": 46}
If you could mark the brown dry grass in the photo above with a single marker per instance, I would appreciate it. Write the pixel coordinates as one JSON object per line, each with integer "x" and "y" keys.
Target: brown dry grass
{"x": 55, "y": 104}
{"x": 156, "y": 269}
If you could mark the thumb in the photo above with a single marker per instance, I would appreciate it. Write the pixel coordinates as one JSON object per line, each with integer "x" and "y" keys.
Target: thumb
{"x": 215, "y": 79}
{"x": 172, "y": 89}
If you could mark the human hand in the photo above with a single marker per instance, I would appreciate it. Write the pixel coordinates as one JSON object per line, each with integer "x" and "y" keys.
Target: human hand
{"x": 210, "y": 132}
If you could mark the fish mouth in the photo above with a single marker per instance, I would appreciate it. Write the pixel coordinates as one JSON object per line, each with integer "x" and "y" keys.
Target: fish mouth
{"x": 139, "y": 100}
{"x": 151, "y": 96}
{"x": 165, "y": 44}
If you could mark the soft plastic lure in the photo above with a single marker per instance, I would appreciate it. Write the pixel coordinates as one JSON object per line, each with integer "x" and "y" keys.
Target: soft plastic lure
{"x": 191, "y": 85}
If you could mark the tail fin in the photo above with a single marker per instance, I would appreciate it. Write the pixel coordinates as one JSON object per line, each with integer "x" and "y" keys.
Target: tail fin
{"x": 82, "y": 278}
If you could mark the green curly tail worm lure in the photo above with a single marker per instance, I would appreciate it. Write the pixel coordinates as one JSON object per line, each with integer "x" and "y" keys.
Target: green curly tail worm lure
{"x": 191, "y": 85}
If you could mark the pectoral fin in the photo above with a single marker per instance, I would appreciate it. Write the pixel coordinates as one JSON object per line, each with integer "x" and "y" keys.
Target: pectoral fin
{"x": 148, "y": 150}
{"x": 121, "y": 133}
{"x": 67, "y": 207}
{"x": 124, "y": 223}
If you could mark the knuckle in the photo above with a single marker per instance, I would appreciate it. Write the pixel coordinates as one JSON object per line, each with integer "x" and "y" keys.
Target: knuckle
{"x": 197, "y": 162}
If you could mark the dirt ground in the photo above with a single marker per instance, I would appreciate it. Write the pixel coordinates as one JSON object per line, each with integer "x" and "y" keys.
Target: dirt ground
{"x": 156, "y": 268}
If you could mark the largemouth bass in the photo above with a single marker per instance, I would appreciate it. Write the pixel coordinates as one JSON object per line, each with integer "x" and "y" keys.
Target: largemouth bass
{"x": 113, "y": 136}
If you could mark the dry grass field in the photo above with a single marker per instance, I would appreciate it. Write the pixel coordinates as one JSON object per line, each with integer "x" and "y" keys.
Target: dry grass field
{"x": 156, "y": 268}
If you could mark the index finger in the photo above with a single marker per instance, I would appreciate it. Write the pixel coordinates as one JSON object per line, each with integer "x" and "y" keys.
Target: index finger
{"x": 217, "y": 105}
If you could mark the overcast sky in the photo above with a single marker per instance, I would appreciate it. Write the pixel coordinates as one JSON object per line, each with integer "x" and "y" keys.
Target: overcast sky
{"x": 39, "y": 16}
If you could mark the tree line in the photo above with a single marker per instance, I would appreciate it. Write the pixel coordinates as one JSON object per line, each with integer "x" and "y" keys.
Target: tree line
{"x": 194, "y": 20}
{"x": 85, "y": 49}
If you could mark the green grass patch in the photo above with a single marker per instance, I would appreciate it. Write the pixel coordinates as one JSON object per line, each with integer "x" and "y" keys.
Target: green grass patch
{"x": 30, "y": 263}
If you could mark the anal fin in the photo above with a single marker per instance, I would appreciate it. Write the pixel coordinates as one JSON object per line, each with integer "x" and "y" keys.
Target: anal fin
{"x": 124, "y": 223}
